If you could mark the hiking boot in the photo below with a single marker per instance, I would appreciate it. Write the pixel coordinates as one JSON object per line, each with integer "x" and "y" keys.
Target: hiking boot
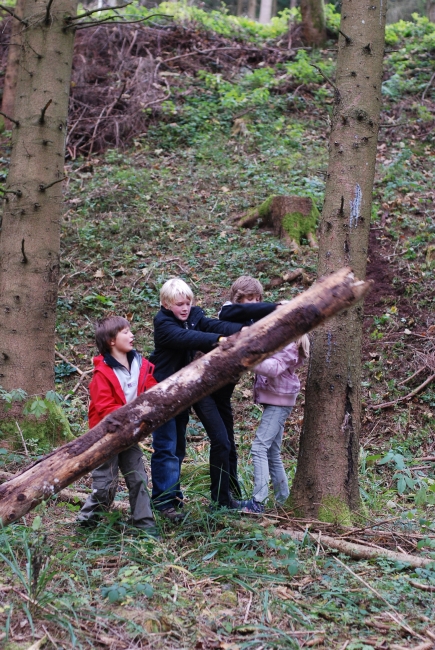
{"x": 90, "y": 522}
{"x": 143, "y": 531}
{"x": 172, "y": 514}
{"x": 252, "y": 507}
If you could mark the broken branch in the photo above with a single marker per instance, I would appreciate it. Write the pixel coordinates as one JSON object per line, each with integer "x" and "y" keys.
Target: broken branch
{"x": 360, "y": 551}
{"x": 42, "y": 187}
{"x": 42, "y": 118}
{"x": 405, "y": 397}
{"x": 11, "y": 119}
{"x": 93, "y": 11}
{"x": 14, "y": 15}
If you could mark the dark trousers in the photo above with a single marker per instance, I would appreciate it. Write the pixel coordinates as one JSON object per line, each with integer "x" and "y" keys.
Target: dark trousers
{"x": 169, "y": 444}
{"x": 216, "y": 415}
{"x": 105, "y": 483}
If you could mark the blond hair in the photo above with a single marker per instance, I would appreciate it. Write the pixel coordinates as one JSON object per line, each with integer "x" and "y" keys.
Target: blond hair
{"x": 173, "y": 290}
{"x": 245, "y": 286}
{"x": 303, "y": 344}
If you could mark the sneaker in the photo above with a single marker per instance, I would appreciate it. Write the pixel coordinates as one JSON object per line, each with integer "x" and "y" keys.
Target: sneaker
{"x": 252, "y": 507}
{"x": 172, "y": 514}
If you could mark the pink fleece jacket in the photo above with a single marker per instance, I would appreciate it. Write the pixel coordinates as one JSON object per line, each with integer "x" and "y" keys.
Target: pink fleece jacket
{"x": 275, "y": 380}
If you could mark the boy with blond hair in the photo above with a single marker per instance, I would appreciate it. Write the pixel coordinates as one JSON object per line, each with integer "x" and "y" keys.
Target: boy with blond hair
{"x": 180, "y": 330}
{"x": 120, "y": 374}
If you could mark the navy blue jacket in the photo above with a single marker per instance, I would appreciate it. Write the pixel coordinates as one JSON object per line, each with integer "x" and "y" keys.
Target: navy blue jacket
{"x": 246, "y": 313}
{"x": 177, "y": 341}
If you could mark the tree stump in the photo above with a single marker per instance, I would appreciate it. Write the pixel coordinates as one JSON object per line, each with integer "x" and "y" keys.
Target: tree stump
{"x": 289, "y": 217}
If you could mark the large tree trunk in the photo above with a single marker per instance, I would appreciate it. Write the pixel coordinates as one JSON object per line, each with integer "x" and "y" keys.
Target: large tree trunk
{"x": 252, "y": 9}
{"x": 30, "y": 237}
{"x": 326, "y": 482}
{"x": 129, "y": 424}
{"x": 265, "y": 11}
{"x": 11, "y": 74}
{"x": 313, "y": 22}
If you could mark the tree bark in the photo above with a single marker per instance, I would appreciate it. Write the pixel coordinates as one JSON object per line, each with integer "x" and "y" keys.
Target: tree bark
{"x": 326, "y": 481}
{"x": 265, "y": 11}
{"x": 12, "y": 65}
{"x": 313, "y": 22}
{"x": 252, "y": 9}
{"x": 30, "y": 237}
{"x": 129, "y": 424}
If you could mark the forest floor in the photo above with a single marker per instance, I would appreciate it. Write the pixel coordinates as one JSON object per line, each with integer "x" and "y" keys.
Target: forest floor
{"x": 228, "y": 136}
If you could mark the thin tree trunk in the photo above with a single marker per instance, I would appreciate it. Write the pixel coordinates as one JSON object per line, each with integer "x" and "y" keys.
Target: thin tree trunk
{"x": 30, "y": 237}
{"x": 129, "y": 424}
{"x": 326, "y": 481}
{"x": 11, "y": 74}
{"x": 265, "y": 11}
{"x": 313, "y": 22}
{"x": 240, "y": 7}
{"x": 252, "y": 9}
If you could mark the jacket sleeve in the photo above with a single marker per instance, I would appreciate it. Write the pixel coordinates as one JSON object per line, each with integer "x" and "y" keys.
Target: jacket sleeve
{"x": 219, "y": 326}
{"x": 241, "y": 313}
{"x": 102, "y": 395}
{"x": 286, "y": 359}
{"x": 168, "y": 335}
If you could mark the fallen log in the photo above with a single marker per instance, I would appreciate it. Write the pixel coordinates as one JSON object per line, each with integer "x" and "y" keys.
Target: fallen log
{"x": 358, "y": 551}
{"x": 129, "y": 424}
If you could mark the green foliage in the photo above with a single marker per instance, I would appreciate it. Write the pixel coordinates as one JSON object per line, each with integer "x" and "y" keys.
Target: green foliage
{"x": 411, "y": 64}
{"x": 421, "y": 488}
{"x": 45, "y": 426}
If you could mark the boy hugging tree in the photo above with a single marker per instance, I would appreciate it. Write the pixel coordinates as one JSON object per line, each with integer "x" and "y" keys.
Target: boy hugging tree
{"x": 180, "y": 330}
{"x": 120, "y": 374}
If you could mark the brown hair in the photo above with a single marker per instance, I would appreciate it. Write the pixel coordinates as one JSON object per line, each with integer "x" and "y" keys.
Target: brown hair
{"x": 244, "y": 286}
{"x": 106, "y": 330}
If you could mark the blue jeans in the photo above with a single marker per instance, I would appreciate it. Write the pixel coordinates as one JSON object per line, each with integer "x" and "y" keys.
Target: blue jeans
{"x": 169, "y": 443}
{"x": 266, "y": 454}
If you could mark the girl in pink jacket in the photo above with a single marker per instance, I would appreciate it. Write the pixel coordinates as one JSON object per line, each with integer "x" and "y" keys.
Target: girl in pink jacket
{"x": 276, "y": 387}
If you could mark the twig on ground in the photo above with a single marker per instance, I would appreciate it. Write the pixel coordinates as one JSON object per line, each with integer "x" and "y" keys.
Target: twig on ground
{"x": 428, "y": 86}
{"x": 82, "y": 376}
{"x": 405, "y": 397}
{"x": 405, "y": 381}
{"x": 58, "y": 354}
{"x": 397, "y": 618}
{"x": 248, "y": 607}
{"x": 421, "y": 586}
{"x": 26, "y": 451}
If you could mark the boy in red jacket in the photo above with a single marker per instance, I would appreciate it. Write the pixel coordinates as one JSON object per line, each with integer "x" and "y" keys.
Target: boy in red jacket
{"x": 120, "y": 374}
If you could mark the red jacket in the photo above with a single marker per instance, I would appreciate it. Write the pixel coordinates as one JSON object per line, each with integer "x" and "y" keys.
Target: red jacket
{"x": 106, "y": 392}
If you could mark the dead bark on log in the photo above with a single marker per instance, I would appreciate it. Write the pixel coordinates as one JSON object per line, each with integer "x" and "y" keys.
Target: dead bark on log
{"x": 132, "y": 422}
